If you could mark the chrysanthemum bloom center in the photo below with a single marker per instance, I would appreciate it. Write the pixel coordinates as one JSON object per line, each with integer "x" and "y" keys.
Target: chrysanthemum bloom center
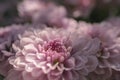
{"x": 55, "y": 51}
{"x": 55, "y": 45}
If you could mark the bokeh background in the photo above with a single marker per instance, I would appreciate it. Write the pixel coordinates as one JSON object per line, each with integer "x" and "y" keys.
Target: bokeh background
{"x": 87, "y": 10}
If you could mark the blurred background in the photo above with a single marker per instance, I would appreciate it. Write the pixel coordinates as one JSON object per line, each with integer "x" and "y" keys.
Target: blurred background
{"x": 24, "y": 11}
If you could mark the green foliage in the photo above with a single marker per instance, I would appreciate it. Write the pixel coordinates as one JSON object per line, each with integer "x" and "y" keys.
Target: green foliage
{"x": 1, "y": 77}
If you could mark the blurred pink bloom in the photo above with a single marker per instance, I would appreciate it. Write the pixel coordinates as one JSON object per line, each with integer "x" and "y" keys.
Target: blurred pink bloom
{"x": 7, "y": 36}
{"x": 109, "y": 53}
{"x": 53, "y": 54}
{"x": 42, "y": 12}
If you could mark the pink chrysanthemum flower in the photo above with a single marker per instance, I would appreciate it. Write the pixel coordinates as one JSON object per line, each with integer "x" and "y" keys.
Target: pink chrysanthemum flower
{"x": 42, "y": 12}
{"x": 109, "y": 53}
{"x": 52, "y": 54}
{"x": 7, "y": 36}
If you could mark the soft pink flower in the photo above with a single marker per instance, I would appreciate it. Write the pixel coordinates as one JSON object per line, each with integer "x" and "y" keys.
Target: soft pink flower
{"x": 7, "y": 36}
{"x": 52, "y": 54}
{"x": 42, "y": 12}
{"x": 109, "y": 53}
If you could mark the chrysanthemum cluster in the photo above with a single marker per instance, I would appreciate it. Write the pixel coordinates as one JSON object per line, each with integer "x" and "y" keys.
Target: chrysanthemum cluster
{"x": 81, "y": 51}
{"x": 51, "y": 40}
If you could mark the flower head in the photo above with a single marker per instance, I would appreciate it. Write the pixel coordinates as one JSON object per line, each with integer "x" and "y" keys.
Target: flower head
{"x": 109, "y": 52}
{"x": 52, "y": 54}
